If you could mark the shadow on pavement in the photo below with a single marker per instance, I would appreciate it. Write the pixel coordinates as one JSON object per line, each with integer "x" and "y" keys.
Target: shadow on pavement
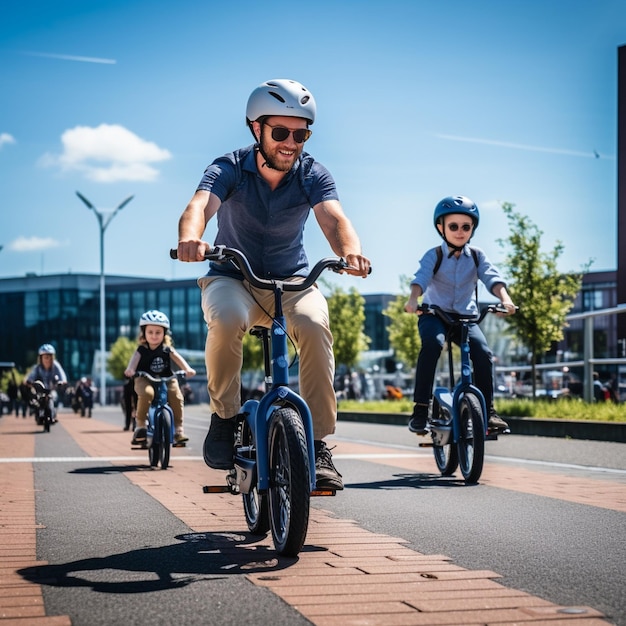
{"x": 412, "y": 481}
{"x": 198, "y": 556}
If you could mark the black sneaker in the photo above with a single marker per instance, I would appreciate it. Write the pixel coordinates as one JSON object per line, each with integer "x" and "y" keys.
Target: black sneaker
{"x": 219, "y": 443}
{"x": 496, "y": 422}
{"x": 139, "y": 436}
{"x": 326, "y": 474}
{"x": 419, "y": 419}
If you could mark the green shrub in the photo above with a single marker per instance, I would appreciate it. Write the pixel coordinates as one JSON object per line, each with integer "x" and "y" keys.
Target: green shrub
{"x": 516, "y": 407}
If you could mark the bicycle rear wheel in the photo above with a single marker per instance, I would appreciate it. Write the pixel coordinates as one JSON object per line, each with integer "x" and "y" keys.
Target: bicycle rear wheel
{"x": 255, "y": 504}
{"x": 446, "y": 457}
{"x": 471, "y": 443}
{"x": 290, "y": 482}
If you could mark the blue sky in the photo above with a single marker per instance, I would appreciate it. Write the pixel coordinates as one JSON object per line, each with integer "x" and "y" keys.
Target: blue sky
{"x": 417, "y": 100}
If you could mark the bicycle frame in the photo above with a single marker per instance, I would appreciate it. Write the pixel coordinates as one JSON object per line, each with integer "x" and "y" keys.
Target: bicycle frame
{"x": 279, "y": 394}
{"x": 159, "y": 402}
{"x": 450, "y": 401}
{"x": 159, "y": 440}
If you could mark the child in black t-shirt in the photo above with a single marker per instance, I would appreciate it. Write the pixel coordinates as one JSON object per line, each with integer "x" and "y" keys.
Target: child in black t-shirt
{"x": 154, "y": 355}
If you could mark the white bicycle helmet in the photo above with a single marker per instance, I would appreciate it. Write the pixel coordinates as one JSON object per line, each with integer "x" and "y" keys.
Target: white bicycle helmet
{"x": 47, "y": 348}
{"x": 281, "y": 96}
{"x": 154, "y": 318}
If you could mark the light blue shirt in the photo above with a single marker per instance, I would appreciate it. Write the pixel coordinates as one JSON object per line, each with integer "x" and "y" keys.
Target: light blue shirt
{"x": 453, "y": 287}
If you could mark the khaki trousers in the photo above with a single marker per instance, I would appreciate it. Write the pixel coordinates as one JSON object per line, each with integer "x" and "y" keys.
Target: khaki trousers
{"x": 231, "y": 307}
{"x": 145, "y": 396}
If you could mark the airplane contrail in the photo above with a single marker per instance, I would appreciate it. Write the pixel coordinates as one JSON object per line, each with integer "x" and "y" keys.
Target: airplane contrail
{"x": 593, "y": 154}
{"x": 70, "y": 57}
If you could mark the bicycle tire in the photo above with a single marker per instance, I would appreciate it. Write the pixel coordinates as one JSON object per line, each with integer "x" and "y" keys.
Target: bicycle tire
{"x": 47, "y": 420}
{"x": 471, "y": 443}
{"x": 446, "y": 457}
{"x": 255, "y": 504}
{"x": 166, "y": 438}
{"x": 290, "y": 483}
{"x": 159, "y": 450}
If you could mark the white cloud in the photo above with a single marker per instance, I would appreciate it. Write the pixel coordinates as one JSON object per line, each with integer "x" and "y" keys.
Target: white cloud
{"x": 6, "y": 138}
{"x": 107, "y": 153}
{"x": 33, "y": 244}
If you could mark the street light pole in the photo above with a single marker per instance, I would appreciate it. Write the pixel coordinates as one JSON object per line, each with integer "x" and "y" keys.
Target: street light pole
{"x": 104, "y": 219}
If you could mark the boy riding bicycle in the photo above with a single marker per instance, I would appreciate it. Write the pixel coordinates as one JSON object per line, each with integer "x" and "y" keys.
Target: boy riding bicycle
{"x": 448, "y": 277}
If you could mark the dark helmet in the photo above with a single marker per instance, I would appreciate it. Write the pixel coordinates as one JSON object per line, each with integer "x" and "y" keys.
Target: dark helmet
{"x": 281, "y": 97}
{"x": 456, "y": 204}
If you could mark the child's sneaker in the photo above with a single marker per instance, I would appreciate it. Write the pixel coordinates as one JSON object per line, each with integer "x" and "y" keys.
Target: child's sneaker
{"x": 180, "y": 438}
{"x": 139, "y": 436}
{"x": 419, "y": 419}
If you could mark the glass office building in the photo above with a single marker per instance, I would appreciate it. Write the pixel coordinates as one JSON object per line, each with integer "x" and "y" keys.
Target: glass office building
{"x": 64, "y": 310}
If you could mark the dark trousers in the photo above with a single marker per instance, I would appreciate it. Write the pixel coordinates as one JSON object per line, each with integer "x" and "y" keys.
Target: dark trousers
{"x": 433, "y": 334}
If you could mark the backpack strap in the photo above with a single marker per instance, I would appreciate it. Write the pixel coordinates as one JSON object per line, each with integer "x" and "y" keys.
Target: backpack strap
{"x": 439, "y": 259}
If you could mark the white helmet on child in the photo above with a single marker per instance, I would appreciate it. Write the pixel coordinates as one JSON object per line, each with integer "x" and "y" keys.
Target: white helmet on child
{"x": 154, "y": 318}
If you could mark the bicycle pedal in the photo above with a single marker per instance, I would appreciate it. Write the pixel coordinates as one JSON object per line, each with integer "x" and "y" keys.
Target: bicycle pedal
{"x": 182, "y": 444}
{"x": 216, "y": 489}
{"x": 425, "y": 444}
{"x": 323, "y": 492}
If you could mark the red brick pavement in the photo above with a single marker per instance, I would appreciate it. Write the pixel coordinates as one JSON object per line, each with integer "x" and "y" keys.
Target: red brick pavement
{"x": 345, "y": 576}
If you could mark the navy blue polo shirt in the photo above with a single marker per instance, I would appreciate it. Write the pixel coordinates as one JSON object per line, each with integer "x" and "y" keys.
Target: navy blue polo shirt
{"x": 267, "y": 226}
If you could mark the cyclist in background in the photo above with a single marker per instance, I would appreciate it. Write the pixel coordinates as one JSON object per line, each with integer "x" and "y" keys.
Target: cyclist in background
{"x": 262, "y": 196}
{"x": 447, "y": 277}
{"x": 50, "y": 372}
{"x": 155, "y": 355}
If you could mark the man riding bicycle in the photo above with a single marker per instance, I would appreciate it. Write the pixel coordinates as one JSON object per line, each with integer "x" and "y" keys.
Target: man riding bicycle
{"x": 262, "y": 195}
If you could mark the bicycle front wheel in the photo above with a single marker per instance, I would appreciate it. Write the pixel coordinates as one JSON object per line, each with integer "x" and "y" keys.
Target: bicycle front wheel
{"x": 446, "y": 457}
{"x": 290, "y": 482}
{"x": 159, "y": 450}
{"x": 471, "y": 443}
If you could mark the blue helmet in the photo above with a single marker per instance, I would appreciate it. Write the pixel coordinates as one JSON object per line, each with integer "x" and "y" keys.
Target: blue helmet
{"x": 456, "y": 204}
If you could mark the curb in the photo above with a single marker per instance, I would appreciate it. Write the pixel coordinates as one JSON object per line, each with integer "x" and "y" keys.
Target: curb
{"x": 577, "y": 429}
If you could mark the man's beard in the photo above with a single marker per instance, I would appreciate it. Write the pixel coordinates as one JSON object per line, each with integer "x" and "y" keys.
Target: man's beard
{"x": 271, "y": 161}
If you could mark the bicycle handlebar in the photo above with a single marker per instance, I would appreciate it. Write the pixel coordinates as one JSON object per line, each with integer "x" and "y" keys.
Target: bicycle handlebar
{"x": 451, "y": 319}
{"x": 222, "y": 254}
{"x": 160, "y": 379}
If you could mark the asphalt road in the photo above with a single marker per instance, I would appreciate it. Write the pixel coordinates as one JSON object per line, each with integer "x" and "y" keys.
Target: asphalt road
{"x": 117, "y": 556}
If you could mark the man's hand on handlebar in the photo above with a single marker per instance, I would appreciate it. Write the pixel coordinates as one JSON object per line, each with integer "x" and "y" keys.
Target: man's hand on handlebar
{"x": 192, "y": 250}
{"x": 358, "y": 265}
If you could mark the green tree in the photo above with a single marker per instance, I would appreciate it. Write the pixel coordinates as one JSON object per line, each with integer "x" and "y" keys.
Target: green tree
{"x": 544, "y": 295}
{"x": 252, "y": 353}
{"x": 347, "y": 320}
{"x": 402, "y": 328}
{"x": 121, "y": 352}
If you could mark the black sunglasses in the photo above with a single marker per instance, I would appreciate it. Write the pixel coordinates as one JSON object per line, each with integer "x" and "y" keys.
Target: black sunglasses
{"x": 464, "y": 227}
{"x": 280, "y": 133}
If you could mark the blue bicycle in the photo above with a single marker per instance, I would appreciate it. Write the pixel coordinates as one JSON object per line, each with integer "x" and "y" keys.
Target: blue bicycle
{"x": 459, "y": 422}
{"x": 160, "y": 426}
{"x": 274, "y": 450}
